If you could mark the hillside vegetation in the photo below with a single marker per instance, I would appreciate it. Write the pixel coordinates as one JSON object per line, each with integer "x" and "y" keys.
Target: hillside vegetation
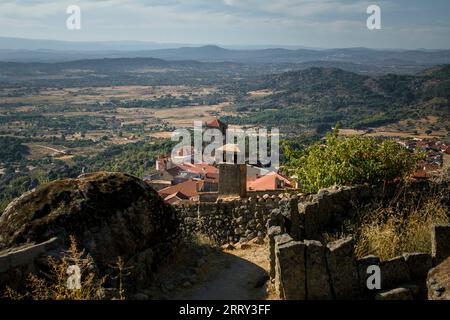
{"x": 134, "y": 158}
{"x": 320, "y": 97}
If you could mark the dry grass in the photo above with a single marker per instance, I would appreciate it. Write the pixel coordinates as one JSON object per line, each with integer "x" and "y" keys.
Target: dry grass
{"x": 54, "y": 285}
{"x": 401, "y": 225}
{"x": 396, "y": 229}
{"x": 185, "y": 117}
{"x": 103, "y": 94}
{"x": 122, "y": 272}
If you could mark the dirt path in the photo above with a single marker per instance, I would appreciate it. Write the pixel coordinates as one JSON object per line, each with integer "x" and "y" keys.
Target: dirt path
{"x": 207, "y": 273}
{"x": 239, "y": 278}
{"x": 49, "y": 148}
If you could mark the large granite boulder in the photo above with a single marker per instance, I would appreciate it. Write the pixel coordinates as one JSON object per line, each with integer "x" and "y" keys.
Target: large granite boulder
{"x": 438, "y": 282}
{"x": 109, "y": 214}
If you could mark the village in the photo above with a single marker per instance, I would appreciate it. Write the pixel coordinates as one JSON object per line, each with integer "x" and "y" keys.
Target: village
{"x": 181, "y": 179}
{"x": 436, "y": 155}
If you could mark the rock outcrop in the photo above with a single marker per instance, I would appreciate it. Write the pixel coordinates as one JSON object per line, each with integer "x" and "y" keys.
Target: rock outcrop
{"x": 438, "y": 282}
{"x": 109, "y": 214}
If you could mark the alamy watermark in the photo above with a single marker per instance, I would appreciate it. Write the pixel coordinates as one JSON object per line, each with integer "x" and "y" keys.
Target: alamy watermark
{"x": 374, "y": 20}
{"x": 374, "y": 280}
{"x": 213, "y": 146}
{"x": 73, "y": 22}
{"x": 74, "y": 277}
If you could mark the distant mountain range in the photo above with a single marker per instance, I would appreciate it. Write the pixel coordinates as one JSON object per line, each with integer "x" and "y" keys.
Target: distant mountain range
{"x": 7, "y": 43}
{"x": 24, "y": 50}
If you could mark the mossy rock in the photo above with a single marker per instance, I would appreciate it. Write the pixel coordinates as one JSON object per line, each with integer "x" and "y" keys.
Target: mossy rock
{"x": 110, "y": 215}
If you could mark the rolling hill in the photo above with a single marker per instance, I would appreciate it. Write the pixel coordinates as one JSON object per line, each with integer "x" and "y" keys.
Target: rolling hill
{"x": 321, "y": 97}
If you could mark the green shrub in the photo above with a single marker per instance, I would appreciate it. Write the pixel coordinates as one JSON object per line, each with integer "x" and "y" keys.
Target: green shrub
{"x": 349, "y": 161}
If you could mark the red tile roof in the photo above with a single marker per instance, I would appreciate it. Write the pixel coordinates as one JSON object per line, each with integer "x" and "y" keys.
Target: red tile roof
{"x": 202, "y": 168}
{"x": 175, "y": 198}
{"x": 216, "y": 123}
{"x": 271, "y": 181}
{"x": 198, "y": 168}
{"x": 188, "y": 188}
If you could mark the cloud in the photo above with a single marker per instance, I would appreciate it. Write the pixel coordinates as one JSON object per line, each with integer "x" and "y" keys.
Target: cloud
{"x": 301, "y": 8}
{"x": 35, "y": 9}
{"x": 305, "y": 22}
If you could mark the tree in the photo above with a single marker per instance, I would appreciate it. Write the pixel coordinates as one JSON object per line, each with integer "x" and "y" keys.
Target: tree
{"x": 349, "y": 161}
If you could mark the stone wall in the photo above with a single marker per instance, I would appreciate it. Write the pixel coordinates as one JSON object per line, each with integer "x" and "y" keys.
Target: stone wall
{"x": 212, "y": 197}
{"x": 302, "y": 265}
{"x": 326, "y": 210}
{"x": 312, "y": 270}
{"x": 330, "y": 207}
{"x": 16, "y": 264}
{"x": 294, "y": 216}
{"x": 233, "y": 221}
{"x": 246, "y": 219}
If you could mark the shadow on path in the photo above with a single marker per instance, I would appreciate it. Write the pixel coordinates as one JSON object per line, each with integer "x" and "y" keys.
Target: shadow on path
{"x": 235, "y": 279}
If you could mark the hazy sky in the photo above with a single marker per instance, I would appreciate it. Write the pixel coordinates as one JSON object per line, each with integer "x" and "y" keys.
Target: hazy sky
{"x": 313, "y": 23}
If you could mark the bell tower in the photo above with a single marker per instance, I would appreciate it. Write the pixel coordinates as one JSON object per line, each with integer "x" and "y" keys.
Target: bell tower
{"x": 232, "y": 175}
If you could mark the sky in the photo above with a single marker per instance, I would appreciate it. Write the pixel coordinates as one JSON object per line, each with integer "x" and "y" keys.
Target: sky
{"x": 408, "y": 24}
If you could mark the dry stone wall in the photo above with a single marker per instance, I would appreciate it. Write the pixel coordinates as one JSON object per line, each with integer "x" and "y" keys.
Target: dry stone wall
{"x": 330, "y": 207}
{"x": 311, "y": 270}
{"x": 233, "y": 221}
{"x": 304, "y": 216}
{"x": 16, "y": 264}
{"x": 302, "y": 265}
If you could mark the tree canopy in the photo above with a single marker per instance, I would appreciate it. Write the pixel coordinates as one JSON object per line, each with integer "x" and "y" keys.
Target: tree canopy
{"x": 348, "y": 161}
